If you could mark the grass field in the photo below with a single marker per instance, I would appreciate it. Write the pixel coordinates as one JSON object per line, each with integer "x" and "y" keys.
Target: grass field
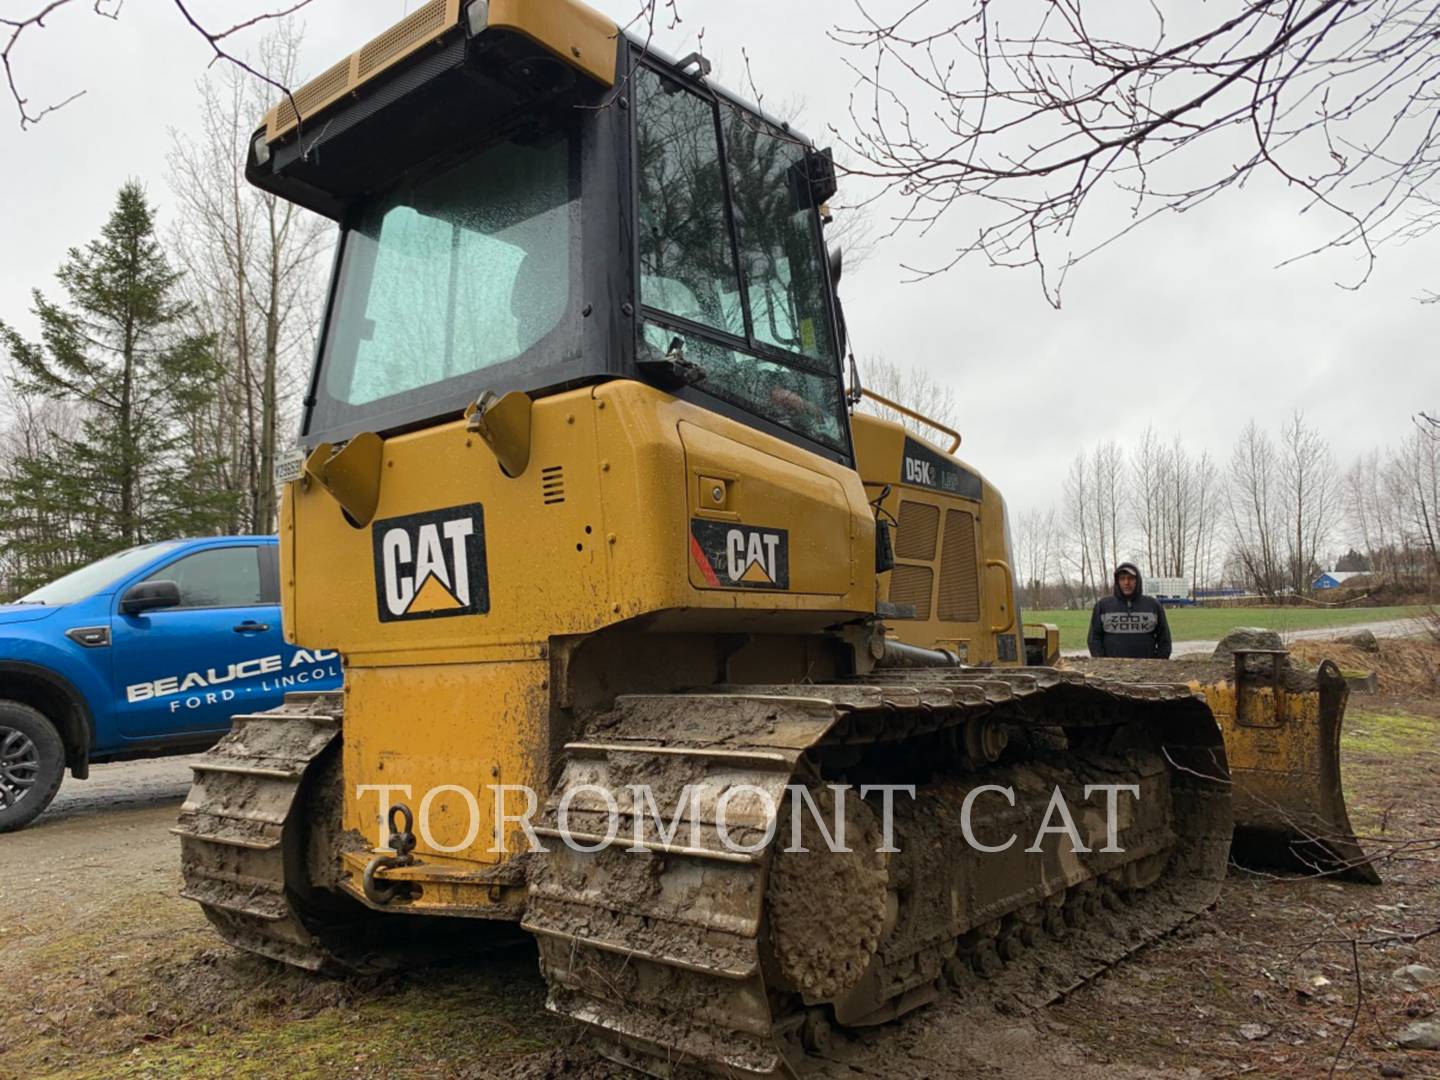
{"x": 1211, "y": 624}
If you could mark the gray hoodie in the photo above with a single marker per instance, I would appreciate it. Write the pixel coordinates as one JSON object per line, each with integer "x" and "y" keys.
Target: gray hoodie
{"x": 1132, "y": 626}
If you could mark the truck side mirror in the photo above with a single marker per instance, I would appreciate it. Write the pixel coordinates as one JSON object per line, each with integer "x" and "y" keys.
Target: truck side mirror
{"x": 148, "y": 595}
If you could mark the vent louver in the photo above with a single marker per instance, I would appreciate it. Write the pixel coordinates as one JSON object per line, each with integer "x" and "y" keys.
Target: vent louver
{"x": 552, "y": 485}
{"x": 425, "y": 25}
{"x": 913, "y": 586}
{"x": 919, "y": 525}
{"x": 425, "y": 21}
{"x": 959, "y": 569}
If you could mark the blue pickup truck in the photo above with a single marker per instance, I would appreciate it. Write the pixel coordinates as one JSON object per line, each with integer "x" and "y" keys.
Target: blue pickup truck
{"x": 144, "y": 653}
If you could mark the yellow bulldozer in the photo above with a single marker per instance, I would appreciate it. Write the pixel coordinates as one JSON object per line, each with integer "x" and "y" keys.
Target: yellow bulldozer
{"x": 583, "y": 504}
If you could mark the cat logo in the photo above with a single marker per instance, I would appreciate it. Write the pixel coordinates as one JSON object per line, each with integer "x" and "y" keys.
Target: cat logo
{"x": 740, "y": 556}
{"x": 429, "y": 566}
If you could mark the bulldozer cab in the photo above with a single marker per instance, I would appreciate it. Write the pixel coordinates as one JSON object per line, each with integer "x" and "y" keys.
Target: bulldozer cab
{"x": 533, "y": 203}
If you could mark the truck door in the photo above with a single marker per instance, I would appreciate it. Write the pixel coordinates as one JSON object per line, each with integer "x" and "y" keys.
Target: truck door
{"x": 188, "y": 669}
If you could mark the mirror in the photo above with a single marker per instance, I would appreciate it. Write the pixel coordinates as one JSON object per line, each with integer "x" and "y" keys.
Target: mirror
{"x": 148, "y": 595}
{"x": 812, "y": 179}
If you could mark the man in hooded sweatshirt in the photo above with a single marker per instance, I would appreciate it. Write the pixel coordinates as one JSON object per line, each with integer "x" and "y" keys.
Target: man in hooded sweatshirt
{"x": 1129, "y": 623}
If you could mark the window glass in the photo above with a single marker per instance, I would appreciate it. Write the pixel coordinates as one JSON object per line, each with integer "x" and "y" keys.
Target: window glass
{"x": 220, "y": 577}
{"x": 89, "y": 580}
{"x": 777, "y": 229}
{"x": 687, "y": 266}
{"x": 454, "y": 273}
{"x": 799, "y": 400}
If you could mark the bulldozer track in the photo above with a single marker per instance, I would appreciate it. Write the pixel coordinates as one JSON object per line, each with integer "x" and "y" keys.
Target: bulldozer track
{"x": 725, "y": 953}
{"x": 236, "y": 830}
{"x": 696, "y": 955}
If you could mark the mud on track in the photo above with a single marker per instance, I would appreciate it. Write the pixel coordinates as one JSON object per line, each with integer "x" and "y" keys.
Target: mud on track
{"x": 106, "y": 972}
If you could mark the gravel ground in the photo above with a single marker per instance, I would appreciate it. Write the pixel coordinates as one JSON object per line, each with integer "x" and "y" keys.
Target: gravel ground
{"x": 123, "y": 786}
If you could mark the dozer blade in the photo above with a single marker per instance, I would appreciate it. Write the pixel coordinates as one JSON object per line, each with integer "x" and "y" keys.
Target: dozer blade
{"x": 1282, "y": 738}
{"x": 1284, "y": 752}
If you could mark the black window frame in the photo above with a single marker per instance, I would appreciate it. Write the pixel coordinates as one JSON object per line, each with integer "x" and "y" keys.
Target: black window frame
{"x": 696, "y": 393}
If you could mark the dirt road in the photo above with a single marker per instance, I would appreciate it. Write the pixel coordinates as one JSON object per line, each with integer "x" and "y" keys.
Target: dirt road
{"x": 128, "y": 785}
{"x": 109, "y": 973}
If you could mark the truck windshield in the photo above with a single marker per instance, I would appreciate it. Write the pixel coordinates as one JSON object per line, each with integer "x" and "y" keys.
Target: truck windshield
{"x": 98, "y": 576}
{"x": 460, "y": 269}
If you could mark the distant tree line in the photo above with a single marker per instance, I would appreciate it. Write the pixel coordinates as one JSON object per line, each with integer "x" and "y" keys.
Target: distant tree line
{"x": 164, "y": 374}
{"x": 1269, "y": 521}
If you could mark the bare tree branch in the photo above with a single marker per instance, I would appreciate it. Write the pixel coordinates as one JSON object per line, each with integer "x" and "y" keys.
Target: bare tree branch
{"x": 1016, "y": 126}
{"x": 110, "y": 9}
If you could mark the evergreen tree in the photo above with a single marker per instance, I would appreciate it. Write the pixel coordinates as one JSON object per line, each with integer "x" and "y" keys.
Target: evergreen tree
{"x": 128, "y": 469}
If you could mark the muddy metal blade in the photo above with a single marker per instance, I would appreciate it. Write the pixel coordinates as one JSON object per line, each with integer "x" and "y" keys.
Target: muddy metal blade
{"x": 1284, "y": 751}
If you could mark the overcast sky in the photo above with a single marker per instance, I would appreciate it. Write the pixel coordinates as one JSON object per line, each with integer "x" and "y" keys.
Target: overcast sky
{"x": 1185, "y": 324}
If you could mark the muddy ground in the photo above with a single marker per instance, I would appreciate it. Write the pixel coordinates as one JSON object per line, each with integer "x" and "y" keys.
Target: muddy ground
{"x": 105, "y": 971}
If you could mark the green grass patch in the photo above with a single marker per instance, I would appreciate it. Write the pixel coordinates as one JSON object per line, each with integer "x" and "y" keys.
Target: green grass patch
{"x": 1211, "y": 624}
{"x": 1388, "y": 734}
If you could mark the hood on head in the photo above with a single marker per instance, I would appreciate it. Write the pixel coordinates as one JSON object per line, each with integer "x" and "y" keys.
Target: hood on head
{"x": 1133, "y": 569}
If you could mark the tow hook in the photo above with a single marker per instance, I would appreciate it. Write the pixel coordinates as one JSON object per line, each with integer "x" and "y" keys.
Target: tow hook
{"x": 402, "y": 839}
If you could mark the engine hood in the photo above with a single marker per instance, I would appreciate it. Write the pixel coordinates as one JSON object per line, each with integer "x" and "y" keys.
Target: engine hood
{"x": 11, "y": 614}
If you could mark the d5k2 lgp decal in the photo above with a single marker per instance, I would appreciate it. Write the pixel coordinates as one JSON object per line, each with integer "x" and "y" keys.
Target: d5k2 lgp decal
{"x": 923, "y": 467}
{"x": 740, "y": 556}
{"x": 431, "y": 565}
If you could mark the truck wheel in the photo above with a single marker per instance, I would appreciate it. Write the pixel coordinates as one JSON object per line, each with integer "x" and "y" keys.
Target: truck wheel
{"x": 32, "y": 764}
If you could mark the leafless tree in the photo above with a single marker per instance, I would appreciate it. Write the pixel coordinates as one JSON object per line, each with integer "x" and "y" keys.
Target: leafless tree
{"x": 914, "y": 388}
{"x": 250, "y": 259}
{"x": 1107, "y": 508}
{"x": 1253, "y": 506}
{"x": 1078, "y": 496}
{"x": 1284, "y": 502}
{"x": 1172, "y": 503}
{"x": 1037, "y": 538}
{"x": 1310, "y": 499}
{"x": 16, "y": 28}
{"x": 1415, "y": 478}
{"x": 1365, "y": 516}
{"x": 1148, "y": 468}
{"x": 1016, "y": 118}
{"x": 1204, "y": 556}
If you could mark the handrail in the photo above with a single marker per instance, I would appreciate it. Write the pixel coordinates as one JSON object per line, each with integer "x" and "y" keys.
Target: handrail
{"x": 903, "y": 410}
{"x": 1009, "y": 594}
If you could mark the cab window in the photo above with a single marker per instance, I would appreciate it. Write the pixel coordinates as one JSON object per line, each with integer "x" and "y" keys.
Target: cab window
{"x": 687, "y": 264}
{"x": 778, "y": 233}
{"x": 731, "y": 275}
